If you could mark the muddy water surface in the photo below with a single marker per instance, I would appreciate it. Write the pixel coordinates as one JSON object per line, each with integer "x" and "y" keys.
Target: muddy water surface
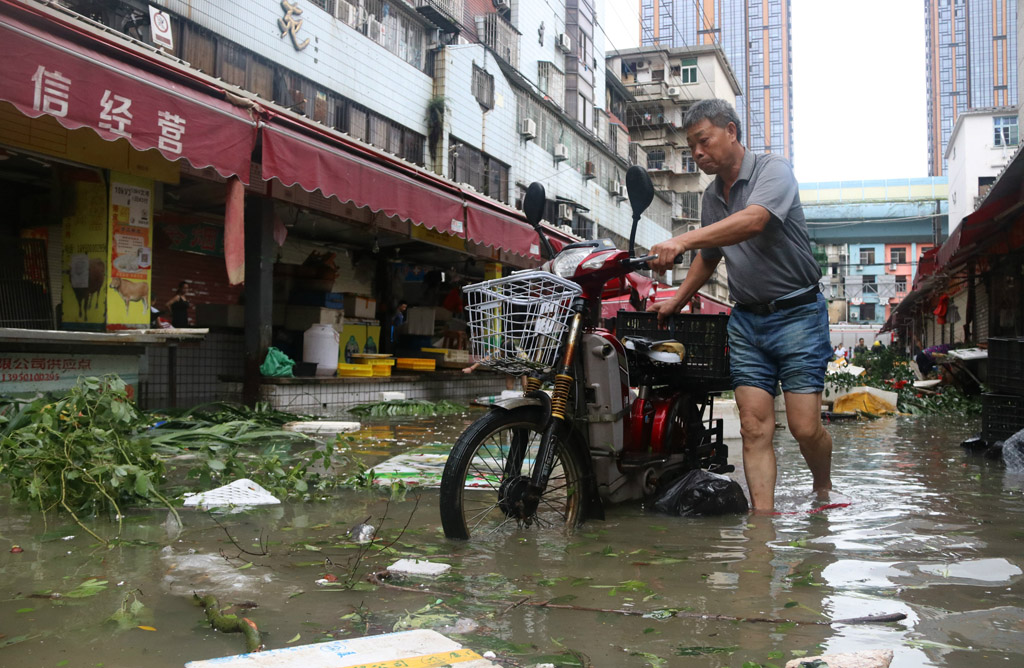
{"x": 931, "y": 532}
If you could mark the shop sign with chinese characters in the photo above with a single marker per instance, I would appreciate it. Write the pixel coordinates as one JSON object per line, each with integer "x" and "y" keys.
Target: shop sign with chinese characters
{"x": 290, "y": 24}
{"x": 29, "y": 373}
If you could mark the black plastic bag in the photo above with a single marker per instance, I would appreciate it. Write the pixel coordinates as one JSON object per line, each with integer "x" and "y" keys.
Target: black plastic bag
{"x": 701, "y": 492}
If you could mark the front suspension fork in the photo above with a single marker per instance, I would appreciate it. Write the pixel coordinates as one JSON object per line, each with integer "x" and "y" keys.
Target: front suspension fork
{"x": 558, "y": 425}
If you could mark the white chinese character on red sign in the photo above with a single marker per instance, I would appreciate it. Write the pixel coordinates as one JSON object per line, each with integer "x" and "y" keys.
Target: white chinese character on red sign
{"x": 172, "y": 128}
{"x": 115, "y": 114}
{"x": 52, "y": 90}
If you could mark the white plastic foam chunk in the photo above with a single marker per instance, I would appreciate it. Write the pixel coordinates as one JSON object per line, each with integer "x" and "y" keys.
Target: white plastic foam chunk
{"x": 417, "y": 567}
{"x": 242, "y": 492}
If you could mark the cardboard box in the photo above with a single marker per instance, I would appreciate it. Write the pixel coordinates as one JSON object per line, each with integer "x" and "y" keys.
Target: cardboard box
{"x": 357, "y": 306}
{"x": 352, "y": 341}
{"x": 419, "y": 321}
{"x": 300, "y": 318}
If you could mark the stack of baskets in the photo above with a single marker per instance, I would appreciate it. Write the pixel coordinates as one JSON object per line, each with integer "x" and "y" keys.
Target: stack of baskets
{"x": 1002, "y": 412}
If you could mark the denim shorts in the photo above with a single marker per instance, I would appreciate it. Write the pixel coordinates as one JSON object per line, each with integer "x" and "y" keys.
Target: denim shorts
{"x": 790, "y": 346}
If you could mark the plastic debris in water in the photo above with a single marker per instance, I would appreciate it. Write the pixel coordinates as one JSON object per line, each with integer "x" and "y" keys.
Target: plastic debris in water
{"x": 362, "y": 532}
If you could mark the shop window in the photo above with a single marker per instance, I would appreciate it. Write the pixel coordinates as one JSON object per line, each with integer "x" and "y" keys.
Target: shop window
{"x": 898, "y": 255}
{"x": 198, "y": 49}
{"x": 259, "y": 78}
{"x": 357, "y": 123}
{"x": 231, "y": 63}
{"x": 483, "y": 87}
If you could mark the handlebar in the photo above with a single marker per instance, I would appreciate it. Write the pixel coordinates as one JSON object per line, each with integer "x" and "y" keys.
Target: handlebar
{"x": 641, "y": 262}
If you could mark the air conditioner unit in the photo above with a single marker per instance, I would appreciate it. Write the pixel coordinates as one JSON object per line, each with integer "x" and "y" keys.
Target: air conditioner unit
{"x": 613, "y": 186}
{"x": 345, "y": 12}
{"x": 893, "y": 266}
{"x": 566, "y": 228}
{"x": 621, "y": 194}
{"x": 589, "y": 170}
{"x": 561, "y": 152}
{"x": 502, "y": 4}
{"x": 564, "y": 211}
{"x": 692, "y": 228}
{"x": 564, "y": 42}
{"x": 528, "y": 129}
{"x": 375, "y": 31}
{"x": 675, "y": 91}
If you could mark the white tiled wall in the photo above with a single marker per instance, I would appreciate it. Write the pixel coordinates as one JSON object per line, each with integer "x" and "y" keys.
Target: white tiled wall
{"x": 337, "y": 57}
{"x": 330, "y": 398}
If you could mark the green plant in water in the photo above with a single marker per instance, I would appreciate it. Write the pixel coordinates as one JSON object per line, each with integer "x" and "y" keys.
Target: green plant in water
{"x": 79, "y": 453}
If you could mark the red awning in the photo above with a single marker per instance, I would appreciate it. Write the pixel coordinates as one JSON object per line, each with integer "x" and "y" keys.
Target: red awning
{"x": 354, "y": 174}
{"x": 83, "y": 81}
{"x": 492, "y": 227}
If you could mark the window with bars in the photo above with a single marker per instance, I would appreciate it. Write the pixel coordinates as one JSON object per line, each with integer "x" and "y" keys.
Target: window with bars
{"x": 471, "y": 166}
{"x": 867, "y": 256}
{"x": 898, "y": 255}
{"x": 483, "y": 87}
{"x": 656, "y": 159}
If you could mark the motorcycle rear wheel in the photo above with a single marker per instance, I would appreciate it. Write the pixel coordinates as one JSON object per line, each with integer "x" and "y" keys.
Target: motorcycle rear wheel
{"x": 489, "y": 468}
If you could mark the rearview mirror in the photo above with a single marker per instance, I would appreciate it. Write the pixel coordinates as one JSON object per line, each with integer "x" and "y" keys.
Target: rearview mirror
{"x": 533, "y": 203}
{"x": 640, "y": 189}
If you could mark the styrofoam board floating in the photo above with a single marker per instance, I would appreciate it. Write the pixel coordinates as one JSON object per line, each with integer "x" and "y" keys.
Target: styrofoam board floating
{"x": 242, "y": 492}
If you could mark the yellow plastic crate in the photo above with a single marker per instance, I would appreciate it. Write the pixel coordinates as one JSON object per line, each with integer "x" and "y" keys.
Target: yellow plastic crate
{"x": 415, "y": 364}
{"x": 381, "y": 369}
{"x": 355, "y": 370}
{"x": 363, "y": 359}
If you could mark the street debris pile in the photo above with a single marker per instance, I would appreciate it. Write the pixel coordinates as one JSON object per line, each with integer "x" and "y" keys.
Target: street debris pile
{"x": 92, "y": 451}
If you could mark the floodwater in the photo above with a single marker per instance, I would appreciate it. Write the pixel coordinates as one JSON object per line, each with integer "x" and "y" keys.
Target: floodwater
{"x": 932, "y": 531}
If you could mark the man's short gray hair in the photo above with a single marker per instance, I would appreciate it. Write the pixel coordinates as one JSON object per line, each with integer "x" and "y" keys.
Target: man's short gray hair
{"x": 719, "y": 112}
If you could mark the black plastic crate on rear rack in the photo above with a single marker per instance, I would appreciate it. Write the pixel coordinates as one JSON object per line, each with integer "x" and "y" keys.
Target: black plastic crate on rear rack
{"x": 706, "y": 339}
{"x": 1006, "y": 366}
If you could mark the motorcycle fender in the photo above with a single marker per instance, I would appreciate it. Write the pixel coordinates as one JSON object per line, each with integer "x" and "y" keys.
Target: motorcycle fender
{"x": 516, "y": 402}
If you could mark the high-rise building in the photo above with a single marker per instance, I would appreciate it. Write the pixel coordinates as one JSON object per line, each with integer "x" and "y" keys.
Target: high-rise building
{"x": 971, "y": 64}
{"x": 755, "y": 35}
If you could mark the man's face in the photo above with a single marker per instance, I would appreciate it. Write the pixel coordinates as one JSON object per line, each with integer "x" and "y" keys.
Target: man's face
{"x": 711, "y": 146}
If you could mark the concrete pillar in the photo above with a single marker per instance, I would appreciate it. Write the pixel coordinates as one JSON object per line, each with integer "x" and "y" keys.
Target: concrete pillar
{"x": 259, "y": 290}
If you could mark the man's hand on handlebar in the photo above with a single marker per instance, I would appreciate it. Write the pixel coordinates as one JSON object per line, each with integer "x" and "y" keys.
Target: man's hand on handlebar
{"x": 669, "y": 252}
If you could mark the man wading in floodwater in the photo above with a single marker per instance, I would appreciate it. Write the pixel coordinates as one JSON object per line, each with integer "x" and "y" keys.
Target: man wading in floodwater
{"x": 778, "y": 332}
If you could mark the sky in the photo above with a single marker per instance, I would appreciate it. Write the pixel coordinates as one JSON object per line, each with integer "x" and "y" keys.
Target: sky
{"x": 859, "y": 106}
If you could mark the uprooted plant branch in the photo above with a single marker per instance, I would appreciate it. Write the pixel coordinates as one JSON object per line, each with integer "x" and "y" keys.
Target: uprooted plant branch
{"x": 91, "y": 451}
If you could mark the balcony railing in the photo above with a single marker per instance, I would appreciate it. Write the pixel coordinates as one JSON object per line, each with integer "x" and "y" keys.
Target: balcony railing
{"x": 498, "y": 34}
{"x": 654, "y": 90}
{"x": 446, "y": 13}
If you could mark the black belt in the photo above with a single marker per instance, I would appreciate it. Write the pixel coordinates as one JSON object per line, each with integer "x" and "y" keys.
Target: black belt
{"x": 768, "y": 308}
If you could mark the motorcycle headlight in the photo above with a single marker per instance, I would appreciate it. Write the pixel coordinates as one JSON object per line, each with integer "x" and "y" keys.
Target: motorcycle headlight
{"x": 565, "y": 263}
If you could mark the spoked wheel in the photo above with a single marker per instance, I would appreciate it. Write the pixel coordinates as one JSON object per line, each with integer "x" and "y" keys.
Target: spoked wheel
{"x": 486, "y": 482}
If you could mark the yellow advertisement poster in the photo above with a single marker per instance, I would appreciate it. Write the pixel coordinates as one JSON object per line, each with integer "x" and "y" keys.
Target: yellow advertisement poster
{"x": 84, "y": 255}
{"x": 131, "y": 251}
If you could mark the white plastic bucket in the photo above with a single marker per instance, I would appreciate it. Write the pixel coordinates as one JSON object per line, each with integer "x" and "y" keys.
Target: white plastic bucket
{"x": 320, "y": 345}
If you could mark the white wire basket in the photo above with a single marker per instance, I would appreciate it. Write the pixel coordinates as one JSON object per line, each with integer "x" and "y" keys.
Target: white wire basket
{"x": 516, "y": 323}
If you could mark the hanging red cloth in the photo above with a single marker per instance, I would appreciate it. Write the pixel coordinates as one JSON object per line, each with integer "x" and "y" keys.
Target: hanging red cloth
{"x": 941, "y": 309}
{"x": 234, "y": 231}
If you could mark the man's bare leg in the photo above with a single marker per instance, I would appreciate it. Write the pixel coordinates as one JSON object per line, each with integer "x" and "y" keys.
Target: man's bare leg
{"x": 757, "y": 427}
{"x": 803, "y": 413}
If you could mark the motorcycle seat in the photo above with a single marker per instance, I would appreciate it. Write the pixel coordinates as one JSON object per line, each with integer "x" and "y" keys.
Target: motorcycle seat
{"x": 656, "y": 353}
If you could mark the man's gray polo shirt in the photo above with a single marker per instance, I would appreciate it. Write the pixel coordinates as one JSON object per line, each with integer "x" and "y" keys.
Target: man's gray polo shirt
{"x": 778, "y": 261}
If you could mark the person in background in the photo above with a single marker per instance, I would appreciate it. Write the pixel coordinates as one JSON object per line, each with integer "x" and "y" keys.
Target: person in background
{"x": 842, "y": 352}
{"x": 926, "y": 358}
{"x": 397, "y": 321}
{"x": 778, "y": 330}
{"x": 860, "y": 347}
{"x": 178, "y": 305}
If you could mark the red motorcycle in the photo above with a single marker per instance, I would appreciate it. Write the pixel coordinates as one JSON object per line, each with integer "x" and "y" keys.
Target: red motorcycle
{"x": 629, "y": 411}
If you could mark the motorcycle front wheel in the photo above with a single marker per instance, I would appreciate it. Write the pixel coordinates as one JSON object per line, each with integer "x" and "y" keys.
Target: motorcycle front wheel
{"x": 488, "y": 472}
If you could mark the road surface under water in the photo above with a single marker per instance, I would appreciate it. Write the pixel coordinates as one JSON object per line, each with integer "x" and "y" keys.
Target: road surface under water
{"x": 932, "y": 532}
